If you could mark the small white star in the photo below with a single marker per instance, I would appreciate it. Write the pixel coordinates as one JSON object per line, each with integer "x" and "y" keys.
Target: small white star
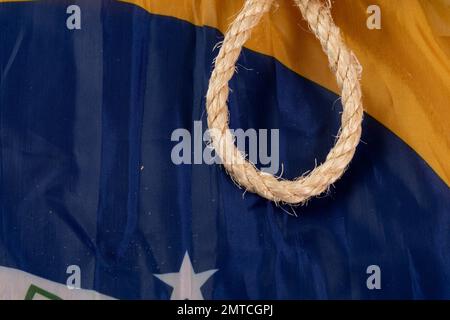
{"x": 186, "y": 283}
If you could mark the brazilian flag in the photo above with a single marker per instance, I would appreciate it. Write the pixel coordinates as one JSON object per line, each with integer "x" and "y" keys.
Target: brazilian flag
{"x": 92, "y": 91}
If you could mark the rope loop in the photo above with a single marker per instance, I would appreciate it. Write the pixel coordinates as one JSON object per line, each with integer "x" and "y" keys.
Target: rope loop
{"x": 342, "y": 63}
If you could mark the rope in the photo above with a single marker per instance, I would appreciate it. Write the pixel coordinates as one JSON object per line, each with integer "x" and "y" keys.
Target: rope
{"x": 342, "y": 63}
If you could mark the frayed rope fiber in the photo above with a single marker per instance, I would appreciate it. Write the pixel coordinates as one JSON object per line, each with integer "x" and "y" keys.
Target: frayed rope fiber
{"x": 342, "y": 63}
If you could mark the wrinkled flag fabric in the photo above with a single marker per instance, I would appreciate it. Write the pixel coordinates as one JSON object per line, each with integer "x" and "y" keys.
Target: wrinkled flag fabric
{"x": 87, "y": 179}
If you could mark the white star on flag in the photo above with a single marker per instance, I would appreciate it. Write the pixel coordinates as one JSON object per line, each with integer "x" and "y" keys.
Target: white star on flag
{"x": 186, "y": 283}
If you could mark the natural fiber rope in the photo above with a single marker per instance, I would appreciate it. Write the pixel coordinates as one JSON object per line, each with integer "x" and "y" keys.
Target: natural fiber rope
{"x": 342, "y": 63}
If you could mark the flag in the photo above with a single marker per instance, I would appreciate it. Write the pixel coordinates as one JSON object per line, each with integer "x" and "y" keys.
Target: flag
{"x": 92, "y": 94}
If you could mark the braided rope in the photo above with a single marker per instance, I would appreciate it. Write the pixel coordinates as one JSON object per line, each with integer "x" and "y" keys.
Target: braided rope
{"x": 342, "y": 63}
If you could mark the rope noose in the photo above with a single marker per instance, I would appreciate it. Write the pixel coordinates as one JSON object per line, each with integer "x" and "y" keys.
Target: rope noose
{"x": 343, "y": 64}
